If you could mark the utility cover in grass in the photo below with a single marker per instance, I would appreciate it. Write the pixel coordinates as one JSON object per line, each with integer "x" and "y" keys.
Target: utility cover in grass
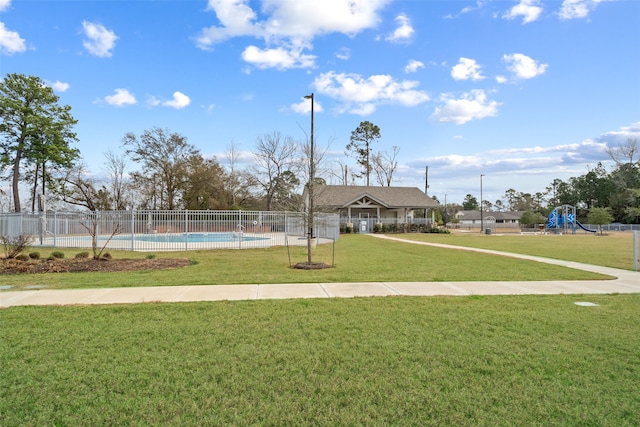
{"x": 586, "y": 304}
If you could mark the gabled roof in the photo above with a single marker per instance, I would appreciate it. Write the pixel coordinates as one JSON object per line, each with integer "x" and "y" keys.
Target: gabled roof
{"x": 340, "y": 196}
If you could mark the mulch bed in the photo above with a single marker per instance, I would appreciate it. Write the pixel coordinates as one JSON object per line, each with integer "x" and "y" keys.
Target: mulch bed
{"x": 312, "y": 266}
{"x": 12, "y": 266}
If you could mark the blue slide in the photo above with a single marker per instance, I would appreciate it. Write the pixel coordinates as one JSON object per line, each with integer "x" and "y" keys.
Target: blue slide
{"x": 585, "y": 228}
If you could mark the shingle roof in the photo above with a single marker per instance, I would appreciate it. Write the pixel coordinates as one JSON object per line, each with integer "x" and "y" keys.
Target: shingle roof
{"x": 338, "y": 196}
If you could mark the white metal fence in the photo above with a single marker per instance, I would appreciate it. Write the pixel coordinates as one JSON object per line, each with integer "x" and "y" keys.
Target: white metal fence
{"x": 168, "y": 230}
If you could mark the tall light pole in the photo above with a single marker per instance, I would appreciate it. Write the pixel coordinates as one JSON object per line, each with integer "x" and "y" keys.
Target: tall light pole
{"x": 481, "y": 210}
{"x": 310, "y": 185}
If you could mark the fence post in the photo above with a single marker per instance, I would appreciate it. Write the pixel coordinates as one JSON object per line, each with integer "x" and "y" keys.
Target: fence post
{"x": 636, "y": 250}
{"x": 55, "y": 227}
{"x": 133, "y": 226}
{"x": 186, "y": 229}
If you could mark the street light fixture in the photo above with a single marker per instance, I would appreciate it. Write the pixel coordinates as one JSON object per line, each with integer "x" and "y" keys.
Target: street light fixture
{"x": 481, "y": 209}
{"x": 310, "y": 212}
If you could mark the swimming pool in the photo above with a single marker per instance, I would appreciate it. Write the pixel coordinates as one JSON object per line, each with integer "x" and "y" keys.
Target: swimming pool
{"x": 191, "y": 238}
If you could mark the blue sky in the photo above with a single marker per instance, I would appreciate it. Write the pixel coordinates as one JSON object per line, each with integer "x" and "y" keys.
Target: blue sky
{"x": 521, "y": 91}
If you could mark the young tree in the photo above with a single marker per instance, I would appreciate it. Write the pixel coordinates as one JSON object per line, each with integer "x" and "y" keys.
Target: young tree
{"x": 34, "y": 127}
{"x": 599, "y": 216}
{"x": 77, "y": 188}
{"x": 165, "y": 158}
{"x": 532, "y": 218}
{"x": 360, "y": 145}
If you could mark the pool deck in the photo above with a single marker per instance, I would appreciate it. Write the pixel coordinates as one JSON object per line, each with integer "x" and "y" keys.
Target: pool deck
{"x": 171, "y": 242}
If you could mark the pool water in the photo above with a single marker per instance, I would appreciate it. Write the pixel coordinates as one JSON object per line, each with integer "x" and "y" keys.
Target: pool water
{"x": 190, "y": 237}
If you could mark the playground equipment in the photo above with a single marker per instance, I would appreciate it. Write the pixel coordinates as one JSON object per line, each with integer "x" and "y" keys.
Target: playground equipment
{"x": 564, "y": 218}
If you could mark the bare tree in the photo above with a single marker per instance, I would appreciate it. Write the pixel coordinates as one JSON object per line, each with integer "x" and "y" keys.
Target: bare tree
{"x": 236, "y": 183}
{"x": 342, "y": 175}
{"x": 276, "y": 160}
{"x": 625, "y": 152}
{"x": 79, "y": 189}
{"x": 384, "y": 165}
{"x": 118, "y": 185}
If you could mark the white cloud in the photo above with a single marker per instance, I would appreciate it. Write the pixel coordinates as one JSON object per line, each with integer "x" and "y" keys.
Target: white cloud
{"x": 467, "y": 9}
{"x": 470, "y": 106}
{"x": 524, "y": 67}
{"x": 304, "y": 106}
{"x": 59, "y": 86}
{"x": 361, "y": 95}
{"x": 289, "y": 19}
{"x": 404, "y": 30}
{"x": 615, "y": 138}
{"x": 279, "y": 58}
{"x": 530, "y": 11}
{"x": 4, "y": 5}
{"x": 289, "y": 26}
{"x": 363, "y": 110}
{"x": 466, "y": 69}
{"x": 99, "y": 41}
{"x": 120, "y": 98}
{"x": 10, "y": 41}
{"x": 576, "y": 9}
{"x": 180, "y": 100}
{"x": 344, "y": 53}
{"x": 413, "y": 66}
{"x": 501, "y": 79}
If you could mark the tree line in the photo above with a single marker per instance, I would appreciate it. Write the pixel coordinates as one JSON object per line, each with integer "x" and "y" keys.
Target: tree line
{"x": 615, "y": 191}
{"x": 36, "y": 152}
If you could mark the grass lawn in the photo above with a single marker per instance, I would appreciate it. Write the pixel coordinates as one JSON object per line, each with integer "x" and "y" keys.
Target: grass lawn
{"x": 441, "y": 361}
{"x": 358, "y": 258}
{"x": 610, "y": 250}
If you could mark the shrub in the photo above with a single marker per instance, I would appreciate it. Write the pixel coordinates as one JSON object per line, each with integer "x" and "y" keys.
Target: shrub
{"x": 151, "y": 256}
{"x": 437, "y": 230}
{"x": 57, "y": 254}
{"x": 23, "y": 257}
{"x": 14, "y": 246}
{"x": 107, "y": 256}
{"x": 82, "y": 255}
{"x": 34, "y": 255}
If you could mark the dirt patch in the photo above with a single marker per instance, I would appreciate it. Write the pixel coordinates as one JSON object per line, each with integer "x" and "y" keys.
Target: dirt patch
{"x": 12, "y": 266}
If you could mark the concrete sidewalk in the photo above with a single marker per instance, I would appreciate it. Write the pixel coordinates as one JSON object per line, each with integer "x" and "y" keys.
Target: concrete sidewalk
{"x": 625, "y": 282}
